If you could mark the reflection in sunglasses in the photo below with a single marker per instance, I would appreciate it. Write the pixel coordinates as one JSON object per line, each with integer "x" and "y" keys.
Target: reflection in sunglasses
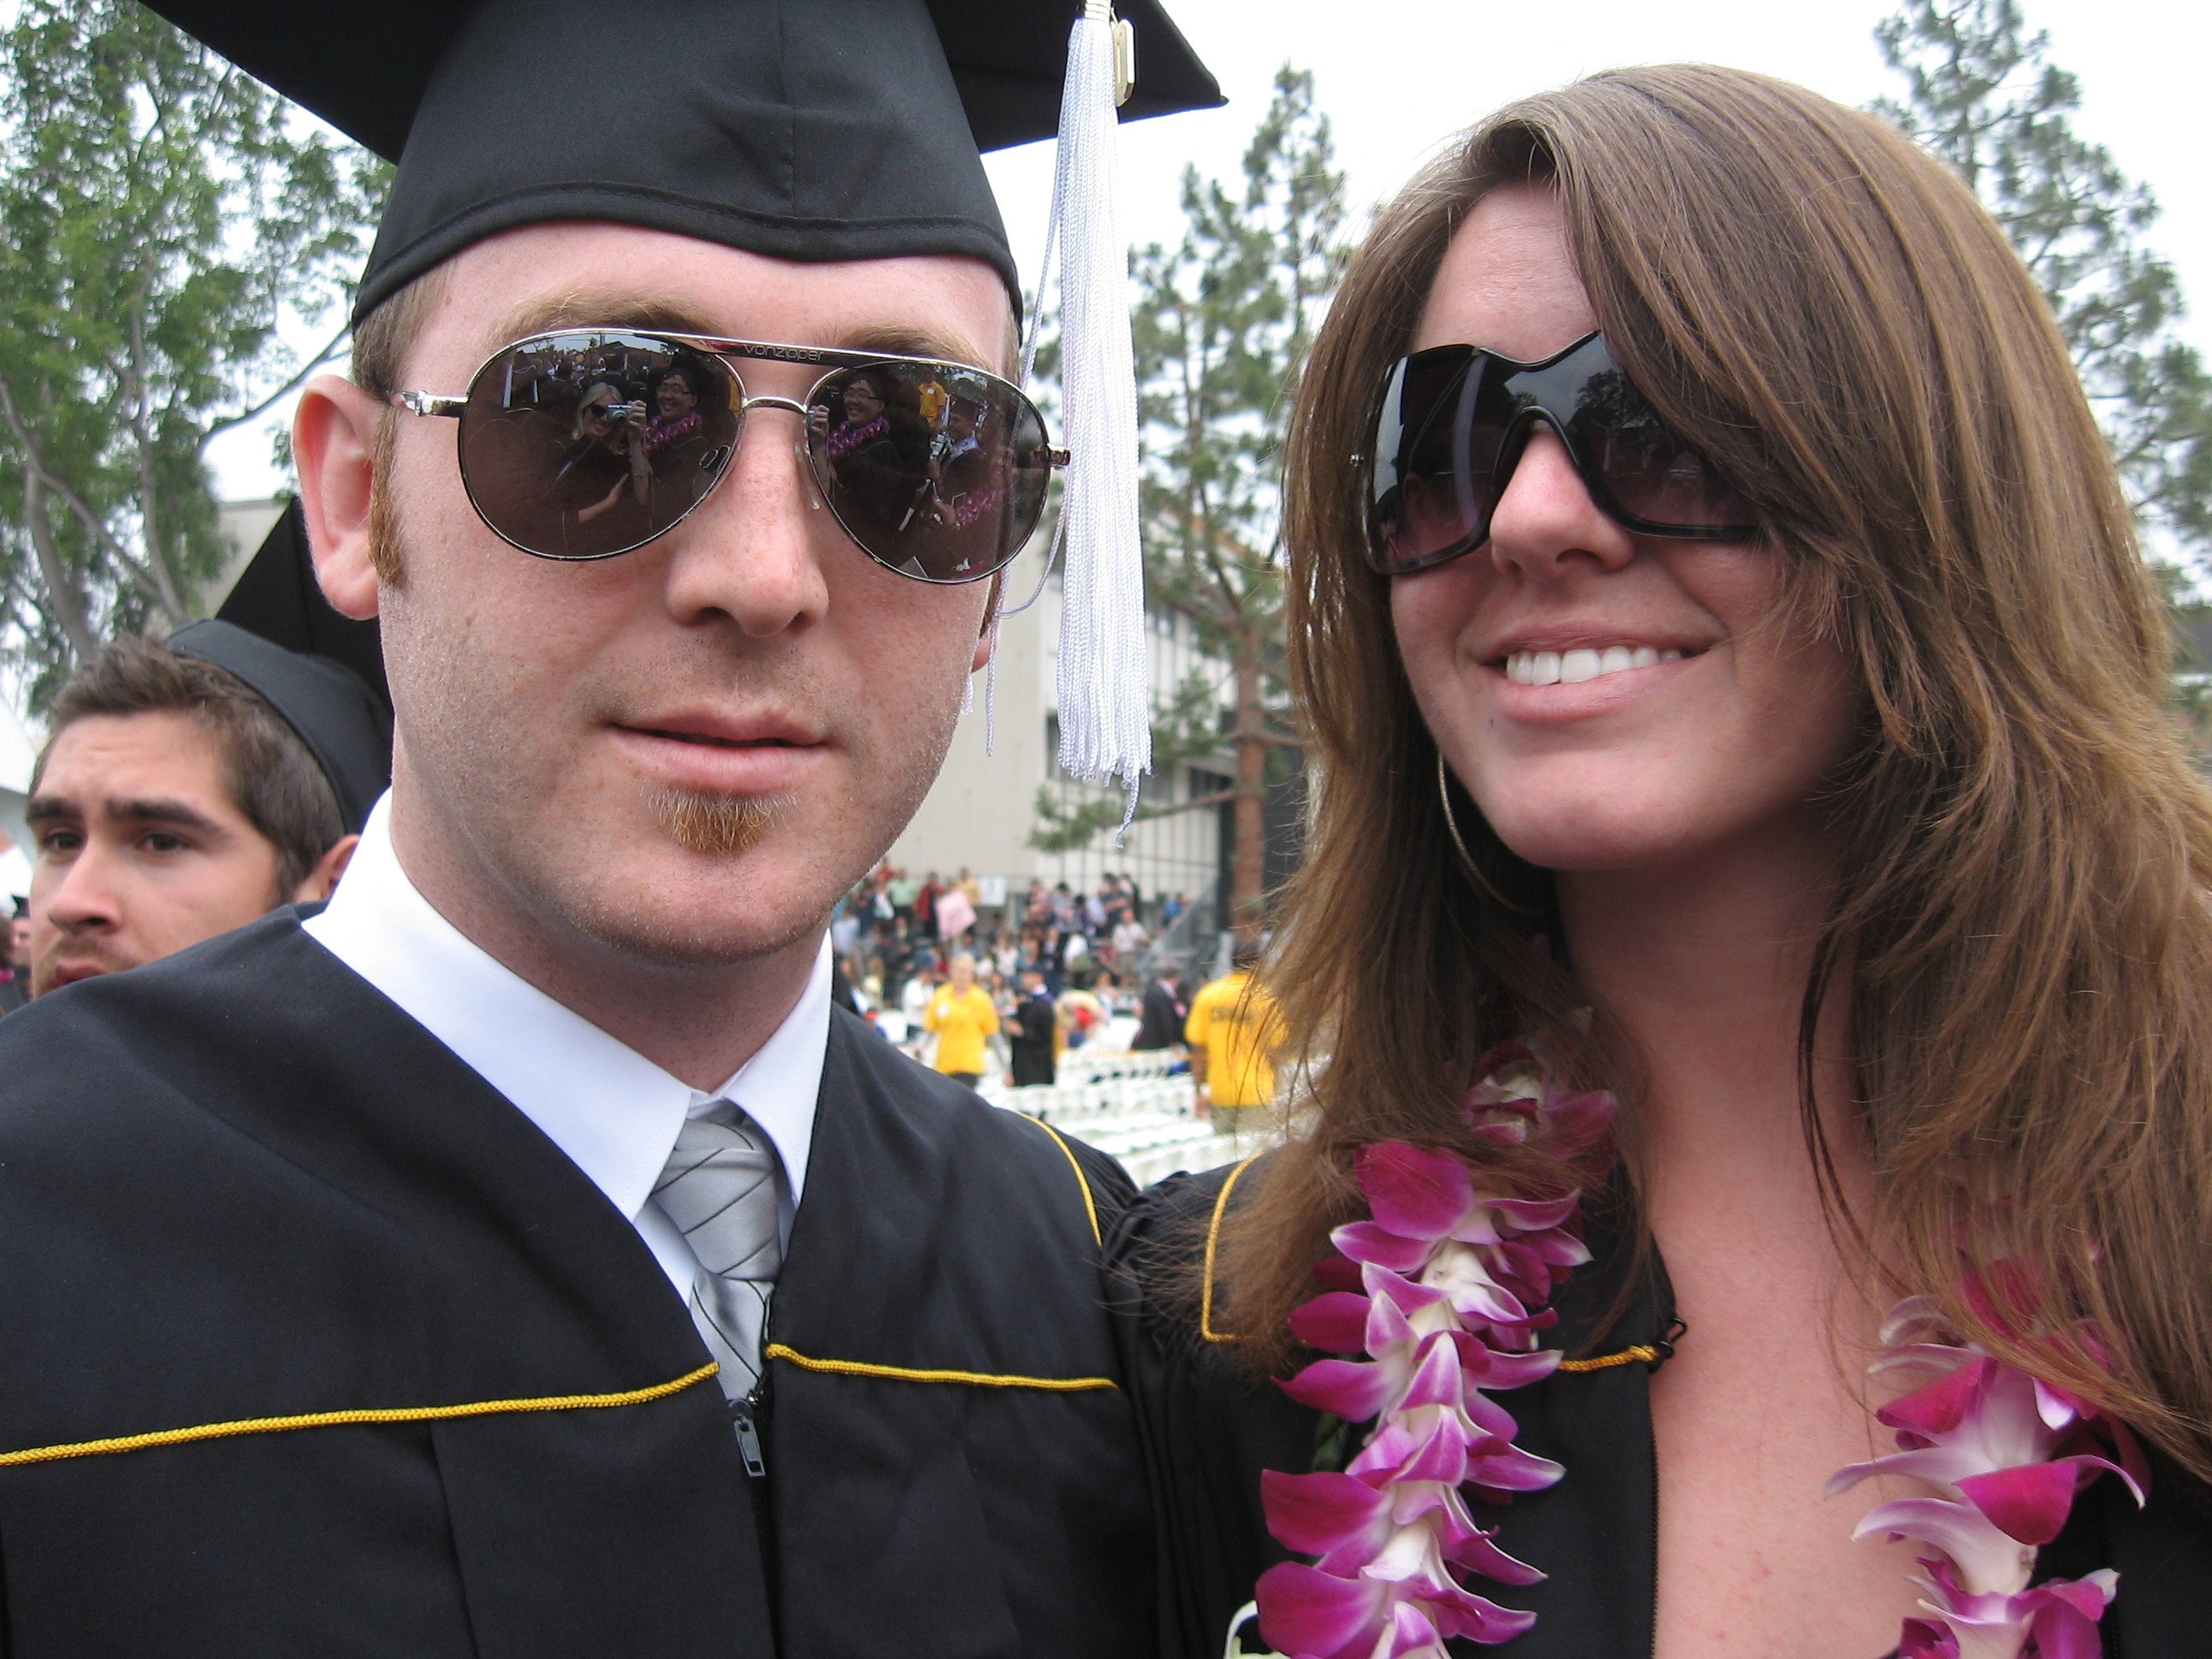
{"x": 582, "y": 444}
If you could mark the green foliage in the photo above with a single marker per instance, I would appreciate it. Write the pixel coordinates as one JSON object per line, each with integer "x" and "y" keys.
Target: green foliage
{"x": 1223, "y": 322}
{"x": 165, "y": 223}
{"x": 1982, "y": 94}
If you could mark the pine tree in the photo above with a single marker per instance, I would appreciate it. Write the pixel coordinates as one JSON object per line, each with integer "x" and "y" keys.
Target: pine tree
{"x": 1982, "y": 95}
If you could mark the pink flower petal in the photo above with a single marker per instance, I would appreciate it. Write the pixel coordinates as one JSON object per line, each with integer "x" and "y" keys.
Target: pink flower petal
{"x": 1513, "y": 1371}
{"x": 1514, "y": 1470}
{"x": 1987, "y": 1559}
{"x": 1937, "y": 1407}
{"x": 1412, "y": 1636}
{"x": 1370, "y": 1241}
{"x": 1923, "y": 1638}
{"x": 1342, "y": 1387}
{"x": 1458, "y": 1613}
{"x": 1336, "y": 1273}
{"x": 1315, "y": 1514}
{"x": 1530, "y": 1215}
{"x": 1415, "y": 1192}
{"x": 1436, "y": 1376}
{"x": 2029, "y": 1503}
{"x": 1311, "y": 1614}
{"x": 1479, "y": 1554}
{"x": 1336, "y": 1322}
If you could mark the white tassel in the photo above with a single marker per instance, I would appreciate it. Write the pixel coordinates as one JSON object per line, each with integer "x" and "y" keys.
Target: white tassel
{"x": 1105, "y": 692}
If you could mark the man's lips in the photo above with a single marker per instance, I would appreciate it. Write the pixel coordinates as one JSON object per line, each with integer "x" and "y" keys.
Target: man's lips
{"x": 763, "y": 755}
{"x": 68, "y": 973}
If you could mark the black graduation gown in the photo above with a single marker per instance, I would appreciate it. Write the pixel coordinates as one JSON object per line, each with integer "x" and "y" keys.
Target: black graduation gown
{"x": 1210, "y": 1427}
{"x": 240, "y": 1185}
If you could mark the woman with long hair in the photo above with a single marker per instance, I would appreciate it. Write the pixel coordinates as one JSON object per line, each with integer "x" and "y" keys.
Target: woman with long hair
{"x": 1750, "y": 1163}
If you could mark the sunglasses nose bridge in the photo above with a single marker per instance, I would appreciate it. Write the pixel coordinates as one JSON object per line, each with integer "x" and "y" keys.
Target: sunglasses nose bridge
{"x": 800, "y": 452}
{"x": 1518, "y": 431}
{"x": 751, "y": 403}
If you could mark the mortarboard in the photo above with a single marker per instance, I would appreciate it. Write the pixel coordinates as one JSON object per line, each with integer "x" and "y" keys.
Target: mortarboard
{"x": 800, "y": 129}
{"x": 803, "y": 129}
{"x": 313, "y": 666}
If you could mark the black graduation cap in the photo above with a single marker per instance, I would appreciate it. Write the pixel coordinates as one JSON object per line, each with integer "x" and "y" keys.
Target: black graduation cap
{"x": 323, "y": 672}
{"x": 800, "y": 129}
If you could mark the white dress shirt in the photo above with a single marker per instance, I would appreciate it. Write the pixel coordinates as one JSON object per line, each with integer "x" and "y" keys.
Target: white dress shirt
{"x": 613, "y": 1111}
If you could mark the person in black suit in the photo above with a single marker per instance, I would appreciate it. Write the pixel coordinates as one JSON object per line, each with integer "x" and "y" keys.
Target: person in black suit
{"x": 1034, "y": 1035}
{"x": 1165, "y": 1008}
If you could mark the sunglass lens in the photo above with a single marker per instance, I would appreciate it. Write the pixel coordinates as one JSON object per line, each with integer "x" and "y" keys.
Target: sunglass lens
{"x": 939, "y": 472}
{"x": 577, "y": 446}
{"x": 1435, "y": 446}
{"x": 1650, "y": 474}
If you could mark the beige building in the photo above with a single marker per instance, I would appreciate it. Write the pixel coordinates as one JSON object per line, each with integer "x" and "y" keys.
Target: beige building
{"x": 980, "y": 811}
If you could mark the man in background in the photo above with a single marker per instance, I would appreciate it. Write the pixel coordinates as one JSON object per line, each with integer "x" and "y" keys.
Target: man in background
{"x": 15, "y": 960}
{"x": 1035, "y": 1035}
{"x": 175, "y": 802}
{"x": 1165, "y": 1008}
{"x": 1234, "y": 1029}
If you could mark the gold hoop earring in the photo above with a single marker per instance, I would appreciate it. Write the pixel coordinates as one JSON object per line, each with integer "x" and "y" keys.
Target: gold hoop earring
{"x": 1451, "y": 823}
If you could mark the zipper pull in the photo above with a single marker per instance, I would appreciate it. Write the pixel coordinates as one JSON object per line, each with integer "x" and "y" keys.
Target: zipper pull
{"x": 745, "y": 1418}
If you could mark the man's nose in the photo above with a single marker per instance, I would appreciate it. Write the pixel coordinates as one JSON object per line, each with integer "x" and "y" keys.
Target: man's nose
{"x": 754, "y": 551}
{"x": 85, "y": 897}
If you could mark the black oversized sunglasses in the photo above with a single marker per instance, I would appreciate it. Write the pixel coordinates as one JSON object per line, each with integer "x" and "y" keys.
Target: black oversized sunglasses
{"x": 584, "y": 443}
{"x": 1450, "y": 425}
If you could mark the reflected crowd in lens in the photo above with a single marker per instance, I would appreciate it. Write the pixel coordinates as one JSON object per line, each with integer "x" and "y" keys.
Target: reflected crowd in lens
{"x": 583, "y": 443}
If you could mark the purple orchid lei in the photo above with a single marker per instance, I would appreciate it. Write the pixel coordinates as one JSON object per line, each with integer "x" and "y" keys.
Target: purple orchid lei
{"x": 2007, "y": 1452}
{"x": 1454, "y": 1286}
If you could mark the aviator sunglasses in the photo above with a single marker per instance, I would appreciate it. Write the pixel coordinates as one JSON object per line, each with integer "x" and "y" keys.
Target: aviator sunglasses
{"x": 1451, "y": 424}
{"x": 586, "y": 443}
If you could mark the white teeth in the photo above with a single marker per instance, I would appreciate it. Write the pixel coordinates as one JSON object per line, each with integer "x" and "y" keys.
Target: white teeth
{"x": 1583, "y": 663}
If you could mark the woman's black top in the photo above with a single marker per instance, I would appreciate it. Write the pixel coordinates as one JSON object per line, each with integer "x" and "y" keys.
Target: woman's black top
{"x": 1209, "y": 1427}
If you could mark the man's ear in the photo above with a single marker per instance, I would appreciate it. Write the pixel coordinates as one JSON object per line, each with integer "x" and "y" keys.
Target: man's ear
{"x": 990, "y": 614}
{"x": 323, "y": 880}
{"x": 334, "y": 446}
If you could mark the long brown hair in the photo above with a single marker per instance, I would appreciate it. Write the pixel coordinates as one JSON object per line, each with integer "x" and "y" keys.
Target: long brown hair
{"x": 2020, "y": 925}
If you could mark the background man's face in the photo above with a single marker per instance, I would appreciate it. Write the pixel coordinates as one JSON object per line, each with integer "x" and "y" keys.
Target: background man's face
{"x": 140, "y": 851}
{"x": 688, "y": 753}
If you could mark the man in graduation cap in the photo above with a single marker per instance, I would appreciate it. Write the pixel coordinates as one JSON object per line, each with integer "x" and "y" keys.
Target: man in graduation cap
{"x": 187, "y": 788}
{"x": 519, "y": 1256}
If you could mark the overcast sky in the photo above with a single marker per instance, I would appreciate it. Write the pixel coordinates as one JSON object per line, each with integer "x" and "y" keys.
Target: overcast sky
{"x": 1397, "y": 76}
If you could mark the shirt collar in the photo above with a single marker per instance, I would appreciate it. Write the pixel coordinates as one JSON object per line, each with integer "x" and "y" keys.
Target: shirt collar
{"x": 613, "y": 1111}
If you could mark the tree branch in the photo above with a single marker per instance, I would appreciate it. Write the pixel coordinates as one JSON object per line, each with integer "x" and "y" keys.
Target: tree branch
{"x": 226, "y": 424}
{"x": 35, "y": 463}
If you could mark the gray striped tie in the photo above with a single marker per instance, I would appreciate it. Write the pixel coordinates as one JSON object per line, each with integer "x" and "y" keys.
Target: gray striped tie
{"x": 719, "y": 1189}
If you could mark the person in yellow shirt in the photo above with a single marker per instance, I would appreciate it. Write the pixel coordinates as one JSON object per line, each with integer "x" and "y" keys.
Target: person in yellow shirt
{"x": 961, "y": 1016}
{"x": 1234, "y": 1029}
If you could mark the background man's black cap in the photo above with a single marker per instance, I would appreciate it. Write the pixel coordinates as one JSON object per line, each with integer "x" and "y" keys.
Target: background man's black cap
{"x": 812, "y": 130}
{"x": 278, "y": 634}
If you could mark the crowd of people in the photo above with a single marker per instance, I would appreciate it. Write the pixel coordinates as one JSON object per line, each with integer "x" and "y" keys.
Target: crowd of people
{"x": 923, "y": 957}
